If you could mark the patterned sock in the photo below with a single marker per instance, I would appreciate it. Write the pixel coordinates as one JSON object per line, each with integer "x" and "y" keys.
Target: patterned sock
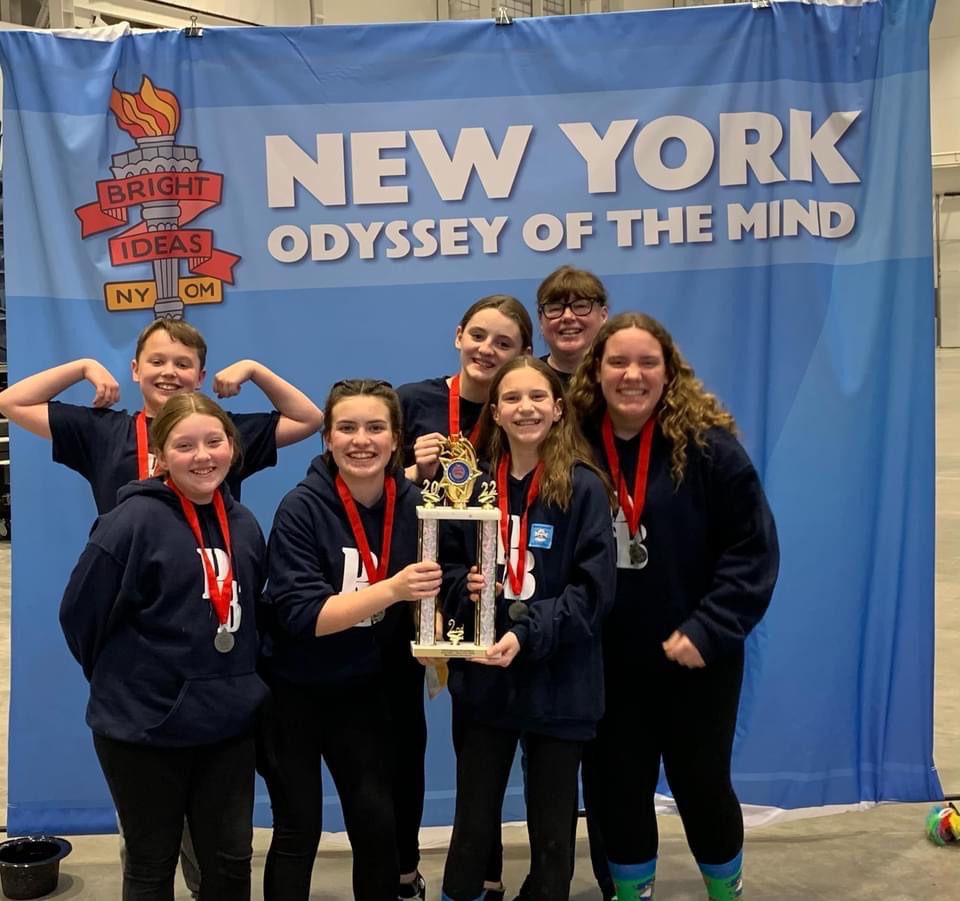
{"x": 724, "y": 881}
{"x": 634, "y": 881}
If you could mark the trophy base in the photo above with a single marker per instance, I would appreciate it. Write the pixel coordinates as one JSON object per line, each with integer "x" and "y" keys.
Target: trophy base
{"x": 446, "y": 649}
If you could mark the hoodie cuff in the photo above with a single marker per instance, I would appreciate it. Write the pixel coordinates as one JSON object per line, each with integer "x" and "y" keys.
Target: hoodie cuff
{"x": 522, "y": 632}
{"x": 694, "y": 629}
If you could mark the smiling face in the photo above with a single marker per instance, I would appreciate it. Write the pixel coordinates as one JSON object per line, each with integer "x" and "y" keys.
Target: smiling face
{"x": 164, "y": 368}
{"x": 488, "y": 341}
{"x": 197, "y": 455}
{"x": 525, "y": 408}
{"x": 360, "y": 438}
{"x": 569, "y": 336}
{"x": 632, "y": 377}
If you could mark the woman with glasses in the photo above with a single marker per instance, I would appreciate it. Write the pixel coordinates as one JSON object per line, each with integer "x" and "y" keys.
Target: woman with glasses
{"x": 342, "y": 560}
{"x": 571, "y": 306}
{"x": 697, "y": 560}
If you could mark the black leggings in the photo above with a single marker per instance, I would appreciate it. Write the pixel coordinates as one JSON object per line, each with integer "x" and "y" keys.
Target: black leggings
{"x": 687, "y": 717}
{"x": 483, "y": 768}
{"x": 493, "y": 869}
{"x": 408, "y": 733}
{"x": 348, "y": 728}
{"x": 155, "y": 788}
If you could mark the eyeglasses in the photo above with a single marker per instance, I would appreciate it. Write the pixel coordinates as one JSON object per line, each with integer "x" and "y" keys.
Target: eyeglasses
{"x": 579, "y": 306}
{"x": 361, "y": 386}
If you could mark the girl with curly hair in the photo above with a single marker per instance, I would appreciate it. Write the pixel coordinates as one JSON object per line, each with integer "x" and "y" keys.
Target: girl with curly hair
{"x": 697, "y": 560}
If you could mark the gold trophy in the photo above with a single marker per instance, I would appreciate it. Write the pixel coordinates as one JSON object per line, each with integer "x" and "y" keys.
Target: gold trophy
{"x": 448, "y": 499}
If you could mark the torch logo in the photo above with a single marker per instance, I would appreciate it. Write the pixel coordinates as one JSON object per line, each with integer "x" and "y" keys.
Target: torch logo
{"x": 164, "y": 179}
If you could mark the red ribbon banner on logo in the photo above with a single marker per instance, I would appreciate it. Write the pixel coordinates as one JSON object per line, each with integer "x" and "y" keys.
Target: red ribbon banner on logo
{"x": 196, "y": 192}
{"x": 194, "y": 244}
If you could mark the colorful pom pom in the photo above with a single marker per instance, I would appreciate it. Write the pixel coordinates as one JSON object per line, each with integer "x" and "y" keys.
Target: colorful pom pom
{"x": 943, "y": 825}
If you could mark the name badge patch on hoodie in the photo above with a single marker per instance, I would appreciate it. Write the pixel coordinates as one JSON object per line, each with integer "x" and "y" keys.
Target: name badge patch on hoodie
{"x": 541, "y": 535}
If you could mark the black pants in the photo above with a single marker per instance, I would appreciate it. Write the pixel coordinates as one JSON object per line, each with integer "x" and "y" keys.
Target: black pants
{"x": 348, "y": 728}
{"x": 483, "y": 768}
{"x": 493, "y": 868}
{"x": 598, "y": 853}
{"x": 408, "y": 733}
{"x": 155, "y": 788}
{"x": 598, "y": 856}
{"x": 493, "y": 871}
{"x": 687, "y": 718}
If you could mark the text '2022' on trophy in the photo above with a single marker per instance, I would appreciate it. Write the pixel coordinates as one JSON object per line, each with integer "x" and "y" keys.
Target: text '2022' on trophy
{"x": 449, "y": 499}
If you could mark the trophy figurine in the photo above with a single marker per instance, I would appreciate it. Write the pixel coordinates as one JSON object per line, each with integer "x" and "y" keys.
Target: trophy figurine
{"x": 448, "y": 499}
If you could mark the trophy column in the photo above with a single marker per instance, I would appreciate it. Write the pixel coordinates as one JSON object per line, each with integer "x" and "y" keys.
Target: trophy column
{"x": 487, "y": 608}
{"x": 427, "y": 608}
{"x": 428, "y": 643}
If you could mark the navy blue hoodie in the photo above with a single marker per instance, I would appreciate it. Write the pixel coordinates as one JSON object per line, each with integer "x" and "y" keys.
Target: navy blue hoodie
{"x": 313, "y": 556}
{"x": 554, "y": 686}
{"x": 135, "y": 617}
{"x": 426, "y": 409}
{"x": 712, "y": 546}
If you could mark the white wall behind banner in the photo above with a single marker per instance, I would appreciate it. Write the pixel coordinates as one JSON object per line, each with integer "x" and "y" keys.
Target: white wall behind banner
{"x": 945, "y": 82}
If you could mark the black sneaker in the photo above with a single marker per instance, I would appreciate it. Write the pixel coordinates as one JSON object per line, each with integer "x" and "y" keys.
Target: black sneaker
{"x": 416, "y": 890}
{"x": 492, "y": 894}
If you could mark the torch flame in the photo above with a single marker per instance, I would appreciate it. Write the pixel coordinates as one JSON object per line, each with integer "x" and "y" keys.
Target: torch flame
{"x": 150, "y": 113}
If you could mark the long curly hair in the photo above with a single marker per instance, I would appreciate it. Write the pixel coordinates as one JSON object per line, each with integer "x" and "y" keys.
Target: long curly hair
{"x": 563, "y": 447}
{"x": 686, "y": 410}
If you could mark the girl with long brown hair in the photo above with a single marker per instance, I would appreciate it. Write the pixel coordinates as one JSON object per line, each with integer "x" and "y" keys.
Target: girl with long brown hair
{"x": 697, "y": 560}
{"x": 542, "y": 679}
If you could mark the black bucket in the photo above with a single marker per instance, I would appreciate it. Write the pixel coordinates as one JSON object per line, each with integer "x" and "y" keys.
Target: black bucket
{"x": 30, "y": 866}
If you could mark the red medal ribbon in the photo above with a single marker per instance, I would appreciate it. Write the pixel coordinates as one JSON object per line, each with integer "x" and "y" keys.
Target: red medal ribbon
{"x": 220, "y": 595}
{"x": 503, "y": 502}
{"x": 453, "y": 417}
{"x": 632, "y": 505}
{"x": 143, "y": 460}
{"x": 360, "y": 536}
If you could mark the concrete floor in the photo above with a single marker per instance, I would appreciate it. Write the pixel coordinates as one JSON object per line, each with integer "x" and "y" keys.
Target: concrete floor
{"x": 878, "y": 853}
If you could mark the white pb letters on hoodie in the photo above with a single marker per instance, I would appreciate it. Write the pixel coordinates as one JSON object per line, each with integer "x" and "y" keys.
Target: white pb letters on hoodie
{"x": 220, "y": 565}
{"x": 355, "y": 578}
{"x": 529, "y": 585}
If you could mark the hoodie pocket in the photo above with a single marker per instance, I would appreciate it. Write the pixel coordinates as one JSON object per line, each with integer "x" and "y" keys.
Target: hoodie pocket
{"x": 211, "y": 710}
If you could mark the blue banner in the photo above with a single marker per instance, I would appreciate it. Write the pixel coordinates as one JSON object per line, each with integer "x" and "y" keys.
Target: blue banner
{"x": 758, "y": 179}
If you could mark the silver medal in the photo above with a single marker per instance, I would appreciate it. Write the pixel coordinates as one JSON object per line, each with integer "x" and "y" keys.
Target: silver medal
{"x": 223, "y": 641}
{"x": 638, "y": 553}
{"x": 517, "y": 610}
